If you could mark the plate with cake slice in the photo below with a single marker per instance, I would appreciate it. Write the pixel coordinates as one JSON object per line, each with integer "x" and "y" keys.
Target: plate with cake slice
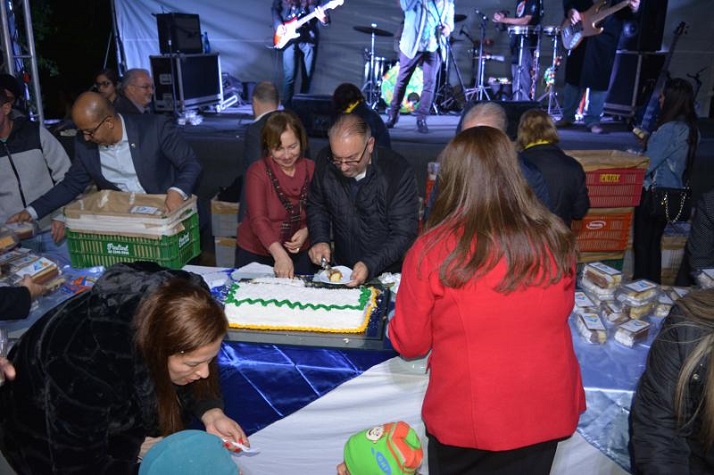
{"x": 337, "y": 275}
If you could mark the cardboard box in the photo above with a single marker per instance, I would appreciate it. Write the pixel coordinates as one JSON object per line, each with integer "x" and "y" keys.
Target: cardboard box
{"x": 225, "y": 251}
{"x": 224, "y": 218}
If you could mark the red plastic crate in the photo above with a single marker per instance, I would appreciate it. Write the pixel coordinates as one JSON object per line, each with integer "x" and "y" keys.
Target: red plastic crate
{"x": 615, "y": 187}
{"x": 603, "y": 229}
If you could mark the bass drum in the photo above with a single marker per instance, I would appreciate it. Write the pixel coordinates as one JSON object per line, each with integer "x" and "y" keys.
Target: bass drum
{"x": 411, "y": 96}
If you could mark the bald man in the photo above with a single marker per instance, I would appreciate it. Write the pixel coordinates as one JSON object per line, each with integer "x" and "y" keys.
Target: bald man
{"x": 131, "y": 153}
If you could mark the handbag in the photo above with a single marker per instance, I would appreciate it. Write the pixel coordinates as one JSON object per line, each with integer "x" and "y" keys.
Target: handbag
{"x": 670, "y": 204}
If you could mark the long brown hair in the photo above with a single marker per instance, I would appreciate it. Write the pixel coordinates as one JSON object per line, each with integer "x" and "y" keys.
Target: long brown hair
{"x": 486, "y": 203}
{"x": 178, "y": 317}
{"x": 698, "y": 308}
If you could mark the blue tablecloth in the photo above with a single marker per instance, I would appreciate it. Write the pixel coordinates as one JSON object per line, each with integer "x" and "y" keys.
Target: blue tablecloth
{"x": 263, "y": 383}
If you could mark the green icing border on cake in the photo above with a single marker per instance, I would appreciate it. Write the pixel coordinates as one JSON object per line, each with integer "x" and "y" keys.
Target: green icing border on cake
{"x": 364, "y": 297}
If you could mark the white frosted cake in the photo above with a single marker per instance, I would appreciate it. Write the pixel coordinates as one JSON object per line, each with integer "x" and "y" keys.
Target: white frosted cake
{"x": 282, "y": 304}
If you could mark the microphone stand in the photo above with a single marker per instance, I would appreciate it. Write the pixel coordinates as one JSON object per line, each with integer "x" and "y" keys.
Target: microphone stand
{"x": 480, "y": 90}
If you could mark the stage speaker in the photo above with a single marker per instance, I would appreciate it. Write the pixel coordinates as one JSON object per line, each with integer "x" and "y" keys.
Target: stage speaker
{"x": 644, "y": 32}
{"x": 315, "y": 112}
{"x": 183, "y": 30}
{"x": 192, "y": 81}
{"x": 633, "y": 79}
{"x": 514, "y": 111}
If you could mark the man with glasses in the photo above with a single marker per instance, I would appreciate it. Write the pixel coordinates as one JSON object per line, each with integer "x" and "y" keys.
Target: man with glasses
{"x": 365, "y": 199}
{"x": 137, "y": 92}
{"x": 130, "y": 153}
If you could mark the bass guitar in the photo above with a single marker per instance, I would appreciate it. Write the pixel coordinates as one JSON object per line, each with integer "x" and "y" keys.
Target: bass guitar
{"x": 647, "y": 125}
{"x": 571, "y": 35}
{"x": 282, "y": 38}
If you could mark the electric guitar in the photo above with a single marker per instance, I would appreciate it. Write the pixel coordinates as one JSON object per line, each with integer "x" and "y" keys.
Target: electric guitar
{"x": 647, "y": 125}
{"x": 572, "y": 35}
{"x": 280, "y": 41}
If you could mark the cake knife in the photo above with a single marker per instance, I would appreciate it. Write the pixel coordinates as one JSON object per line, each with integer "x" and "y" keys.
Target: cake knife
{"x": 325, "y": 265}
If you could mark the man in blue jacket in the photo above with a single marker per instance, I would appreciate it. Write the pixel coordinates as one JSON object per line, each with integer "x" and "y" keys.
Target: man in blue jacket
{"x": 132, "y": 153}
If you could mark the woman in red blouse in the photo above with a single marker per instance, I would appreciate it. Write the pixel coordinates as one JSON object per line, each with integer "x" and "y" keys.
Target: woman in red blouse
{"x": 274, "y": 229}
{"x": 488, "y": 289}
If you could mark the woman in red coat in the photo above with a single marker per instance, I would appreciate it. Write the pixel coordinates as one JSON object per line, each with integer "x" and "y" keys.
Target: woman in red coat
{"x": 487, "y": 289}
{"x": 274, "y": 229}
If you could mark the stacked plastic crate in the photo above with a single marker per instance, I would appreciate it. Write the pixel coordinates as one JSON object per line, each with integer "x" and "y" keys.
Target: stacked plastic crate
{"x": 614, "y": 180}
{"x": 107, "y": 227}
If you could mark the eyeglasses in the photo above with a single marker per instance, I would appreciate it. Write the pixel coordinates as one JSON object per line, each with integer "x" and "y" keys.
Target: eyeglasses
{"x": 102, "y": 84}
{"x": 146, "y": 87}
{"x": 90, "y": 133}
{"x": 350, "y": 163}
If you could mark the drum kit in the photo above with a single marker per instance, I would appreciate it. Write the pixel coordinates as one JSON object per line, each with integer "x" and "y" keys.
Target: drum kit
{"x": 380, "y": 73}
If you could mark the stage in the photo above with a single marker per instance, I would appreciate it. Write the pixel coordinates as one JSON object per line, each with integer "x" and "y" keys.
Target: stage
{"x": 218, "y": 141}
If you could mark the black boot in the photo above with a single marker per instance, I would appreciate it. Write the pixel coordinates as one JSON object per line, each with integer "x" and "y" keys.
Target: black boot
{"x": 392, "y": 118}
{"x": 421, "y": 126}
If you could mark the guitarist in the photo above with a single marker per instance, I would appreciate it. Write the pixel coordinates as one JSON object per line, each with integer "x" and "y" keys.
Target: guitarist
{"x": 590, "y": 64}
{"x": 303, "y": 48}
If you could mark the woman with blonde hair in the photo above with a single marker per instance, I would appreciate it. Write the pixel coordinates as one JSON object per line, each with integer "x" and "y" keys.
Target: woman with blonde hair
{"x": 487, "y": 291}
{"x": 564, "y": 176}
{"x": 672, "y": 429}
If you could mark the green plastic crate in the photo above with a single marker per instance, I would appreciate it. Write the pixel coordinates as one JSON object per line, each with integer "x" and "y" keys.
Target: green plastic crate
{"x": 88, "y": 249}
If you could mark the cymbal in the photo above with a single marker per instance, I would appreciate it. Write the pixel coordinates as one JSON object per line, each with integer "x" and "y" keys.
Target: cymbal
{"x": 372, "y": 29}
{"x": 459, "y": 17}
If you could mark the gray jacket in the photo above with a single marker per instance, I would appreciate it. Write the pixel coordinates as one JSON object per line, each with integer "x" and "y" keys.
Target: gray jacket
{"x": 32, "y": 161}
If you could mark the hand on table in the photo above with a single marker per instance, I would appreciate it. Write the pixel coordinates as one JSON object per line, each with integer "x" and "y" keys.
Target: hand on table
{"x": 21, "y": 217}
{"x": 36, "y": 290}
{"x": 284, "y": 267}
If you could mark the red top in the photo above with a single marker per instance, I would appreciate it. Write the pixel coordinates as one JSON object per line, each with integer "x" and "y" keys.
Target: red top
{"x": 503, "y": 370}
{"x": 264, "y": 212}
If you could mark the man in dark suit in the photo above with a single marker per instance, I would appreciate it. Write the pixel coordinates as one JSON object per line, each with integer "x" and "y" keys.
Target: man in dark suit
{"x": 132, "y": 153}
{"x": 265, "y": 100}
{"x": 136, "y": 94}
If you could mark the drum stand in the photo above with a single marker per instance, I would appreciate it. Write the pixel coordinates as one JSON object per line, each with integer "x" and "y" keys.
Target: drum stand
{"x": 480, "y": 90}
{"x": 536, "y": 65}
{"x": 371, "y": 87}
{"x": 553, "y": 104}
{"x": 445, "y": 97}
{"x": 518, "y": 89}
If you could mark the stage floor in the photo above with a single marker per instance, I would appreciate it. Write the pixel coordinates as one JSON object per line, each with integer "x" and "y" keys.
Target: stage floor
{"x": 219, "y": 143}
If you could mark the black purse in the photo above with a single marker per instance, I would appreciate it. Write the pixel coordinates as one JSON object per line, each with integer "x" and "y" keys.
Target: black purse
{"x": 670, "y": 204}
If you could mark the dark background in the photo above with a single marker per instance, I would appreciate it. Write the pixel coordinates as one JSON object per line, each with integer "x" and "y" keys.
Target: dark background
{"x": 71, "y": 39}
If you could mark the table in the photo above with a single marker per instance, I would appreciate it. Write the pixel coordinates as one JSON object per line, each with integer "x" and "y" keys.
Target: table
{"x": 300, "y": 404}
